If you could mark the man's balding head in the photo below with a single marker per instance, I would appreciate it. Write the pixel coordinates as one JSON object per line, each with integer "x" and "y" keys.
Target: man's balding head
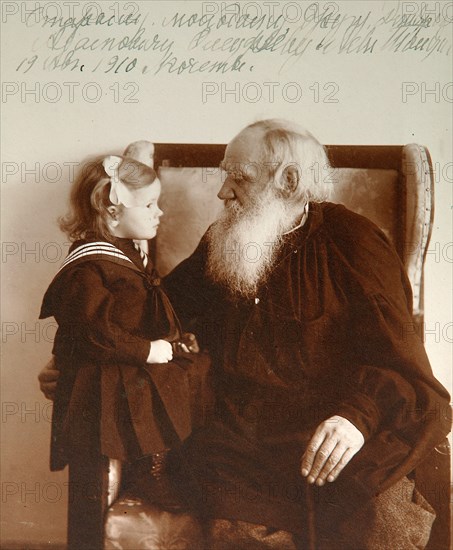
{"x": 299, "y": 164}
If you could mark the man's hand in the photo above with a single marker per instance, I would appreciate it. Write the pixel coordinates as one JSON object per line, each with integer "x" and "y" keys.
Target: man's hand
{"x": 188, "y": 343}
{"x": 334, "y": 443}
{"x": 48, "y": 379}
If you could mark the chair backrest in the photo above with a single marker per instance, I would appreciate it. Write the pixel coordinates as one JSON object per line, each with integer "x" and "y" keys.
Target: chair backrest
{"x": 391, "y": 185}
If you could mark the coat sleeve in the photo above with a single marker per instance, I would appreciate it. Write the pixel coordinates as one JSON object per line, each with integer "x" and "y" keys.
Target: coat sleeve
{"x": 84, "y": 310}
{"x": 188, "y": 288}
{"x": 390, "y": 393}
{"x": 391, "y": 383}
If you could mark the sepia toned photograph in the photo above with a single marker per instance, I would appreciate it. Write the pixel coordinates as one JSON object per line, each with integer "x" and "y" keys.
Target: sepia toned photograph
{"x": 226, "y": 291}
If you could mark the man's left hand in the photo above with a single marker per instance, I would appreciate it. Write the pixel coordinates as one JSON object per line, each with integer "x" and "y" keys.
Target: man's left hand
{"x": 334, "y": 443}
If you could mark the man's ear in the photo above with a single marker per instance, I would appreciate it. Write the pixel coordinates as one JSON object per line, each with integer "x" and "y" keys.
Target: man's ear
{"x": 290, "y": 179}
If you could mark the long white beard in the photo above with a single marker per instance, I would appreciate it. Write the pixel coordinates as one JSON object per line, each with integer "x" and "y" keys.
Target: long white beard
{"x": 243, "y": 243}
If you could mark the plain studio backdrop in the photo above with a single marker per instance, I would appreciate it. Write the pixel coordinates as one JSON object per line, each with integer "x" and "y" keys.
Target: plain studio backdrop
{"x": 78, "y": 83}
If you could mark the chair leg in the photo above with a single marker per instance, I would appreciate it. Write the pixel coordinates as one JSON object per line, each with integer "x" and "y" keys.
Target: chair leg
{"x": 88, "y": 488}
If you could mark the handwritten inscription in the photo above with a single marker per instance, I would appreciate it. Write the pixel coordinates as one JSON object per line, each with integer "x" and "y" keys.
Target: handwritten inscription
{"x": 227, "y": 40}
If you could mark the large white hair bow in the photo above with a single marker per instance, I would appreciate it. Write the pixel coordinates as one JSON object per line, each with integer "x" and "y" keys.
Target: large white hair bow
{"x": 121, "y": 193}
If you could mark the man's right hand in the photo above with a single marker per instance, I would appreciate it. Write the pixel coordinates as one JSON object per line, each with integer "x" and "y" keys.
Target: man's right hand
{"x": 48, "y": 379}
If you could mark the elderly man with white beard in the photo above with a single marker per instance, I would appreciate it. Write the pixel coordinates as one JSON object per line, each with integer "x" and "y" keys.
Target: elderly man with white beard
{"x": 323, "y": 404}
{"x": 315, "y": 428}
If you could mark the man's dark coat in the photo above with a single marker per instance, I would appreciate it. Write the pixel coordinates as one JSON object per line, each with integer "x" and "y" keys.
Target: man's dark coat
{"x": 330, "y": 333}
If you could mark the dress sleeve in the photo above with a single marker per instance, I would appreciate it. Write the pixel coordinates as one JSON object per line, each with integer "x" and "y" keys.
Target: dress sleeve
{"x": 83, "y": 308}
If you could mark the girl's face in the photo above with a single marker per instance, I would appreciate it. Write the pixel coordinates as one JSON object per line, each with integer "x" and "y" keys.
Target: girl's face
{"x": 138, "y": 222}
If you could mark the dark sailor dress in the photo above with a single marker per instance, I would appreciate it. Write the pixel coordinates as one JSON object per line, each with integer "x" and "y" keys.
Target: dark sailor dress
{"x": 109, "y": 400}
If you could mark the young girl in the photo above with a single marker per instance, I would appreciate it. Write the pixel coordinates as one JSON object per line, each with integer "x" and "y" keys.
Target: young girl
{"x": 121, "y": 391}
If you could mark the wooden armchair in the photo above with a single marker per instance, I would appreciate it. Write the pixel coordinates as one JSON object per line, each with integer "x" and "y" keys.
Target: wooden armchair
{"x": 391, "y": 185}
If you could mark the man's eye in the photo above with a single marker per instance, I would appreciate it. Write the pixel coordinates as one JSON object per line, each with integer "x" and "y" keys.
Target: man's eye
{"x": 237, "y": 177}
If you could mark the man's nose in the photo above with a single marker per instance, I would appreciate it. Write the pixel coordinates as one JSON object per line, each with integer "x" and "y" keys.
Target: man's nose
{"x": 226, "y": 191}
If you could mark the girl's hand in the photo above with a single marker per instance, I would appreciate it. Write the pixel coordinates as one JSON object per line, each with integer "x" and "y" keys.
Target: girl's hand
{"x": 160, "y": 352}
